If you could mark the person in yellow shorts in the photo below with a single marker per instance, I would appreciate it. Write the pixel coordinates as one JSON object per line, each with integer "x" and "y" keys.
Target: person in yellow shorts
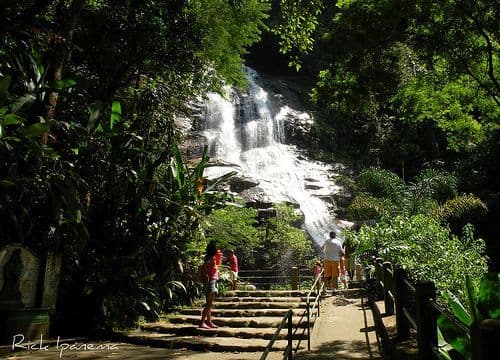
{"x": 332, "y": 249}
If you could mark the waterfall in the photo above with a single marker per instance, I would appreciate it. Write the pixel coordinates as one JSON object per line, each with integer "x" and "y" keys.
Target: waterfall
{"x": 246, "y": 129}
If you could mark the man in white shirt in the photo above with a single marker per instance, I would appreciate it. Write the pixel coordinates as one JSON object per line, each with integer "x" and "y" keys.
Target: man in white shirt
{"x": 333, "y": 251}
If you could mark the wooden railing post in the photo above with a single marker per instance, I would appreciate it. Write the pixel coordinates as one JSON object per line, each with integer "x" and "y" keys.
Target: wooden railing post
{"x": 484, "y": 337}
{"x": 308, "y": 327}
{"x": 295, "y": 277}
{"x": 388, "y": 286}
{"x": 426, "y": 319}
{"x": 401, "y": 296}
{"x": 378, "y": 279}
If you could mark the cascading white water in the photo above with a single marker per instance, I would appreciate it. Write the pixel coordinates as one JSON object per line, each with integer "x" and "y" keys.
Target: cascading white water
{"x": 245, "y": 132}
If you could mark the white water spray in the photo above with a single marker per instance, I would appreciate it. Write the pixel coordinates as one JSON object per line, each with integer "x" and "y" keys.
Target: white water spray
{"x": 245, "y": 132}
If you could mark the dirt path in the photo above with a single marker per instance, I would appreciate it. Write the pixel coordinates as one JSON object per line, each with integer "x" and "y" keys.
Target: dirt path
{"x": 345, "y": 330}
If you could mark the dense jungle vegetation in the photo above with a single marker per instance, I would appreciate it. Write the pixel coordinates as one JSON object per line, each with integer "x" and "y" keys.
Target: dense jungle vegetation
{"x": 90, "y": 91}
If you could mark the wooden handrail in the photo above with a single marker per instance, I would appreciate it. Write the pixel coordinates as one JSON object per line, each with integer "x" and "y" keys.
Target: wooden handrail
{"x": 440, "y": 310}
{"x": 316, "y": 301}
{"x": 288, "y": 353}
{"x": 395, "y": 288}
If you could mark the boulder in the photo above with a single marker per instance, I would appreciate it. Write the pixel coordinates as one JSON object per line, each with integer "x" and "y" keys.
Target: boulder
{"x": 241, "y": 183}
{"x": 299, "y": 223}
{"x": 312, "y": 187}
{"x": 255, "y": 197}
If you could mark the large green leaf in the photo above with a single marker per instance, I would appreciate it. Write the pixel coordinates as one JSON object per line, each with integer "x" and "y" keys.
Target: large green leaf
{"x": 36, "y": 129}
{"x": 116, "y": 114}
{"x": 488, "y": 302}
{"x": 214, "y": 182}
{"x": 458, "y": 309}
{"x": 12, "y": 119}
{"x": 457, "y": 339}
{"x": 200, "y": 167}
{"x": 177, "y": 285}
{"x": 472, "y": 297}
{"x": 443, "y": 346}
{"x": 64, "y": 83}
{"x": 177, "y": 168}
{"x": 23, "y": 101}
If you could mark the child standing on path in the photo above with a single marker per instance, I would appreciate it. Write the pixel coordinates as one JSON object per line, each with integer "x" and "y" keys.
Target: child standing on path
{"x": 342, "y": 272}
{"x": 233, "y": 269}
{"x": 317, "y": 269}
{"x": 210, "y": 276}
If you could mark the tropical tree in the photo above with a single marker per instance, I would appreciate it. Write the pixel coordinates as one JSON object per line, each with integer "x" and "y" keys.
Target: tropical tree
{"x": 89, "y": 94}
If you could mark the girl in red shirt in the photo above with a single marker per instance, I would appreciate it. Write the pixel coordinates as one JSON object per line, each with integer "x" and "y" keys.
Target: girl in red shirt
{"x": 210, "y": 276}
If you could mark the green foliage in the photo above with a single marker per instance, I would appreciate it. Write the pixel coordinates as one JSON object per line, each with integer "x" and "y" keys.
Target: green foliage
{"x": 348, "y": 183}
{"x": 436, "y": 184}
{"x": 100, "y": 179}
{"x": 482, "y": 303}
{"x": 382, "y": 184}
{"x": 462, "y": 208}
{"x": 366, "y": 207}
{"x": 225, "y": 26}
{"x": 433, "y": 192}
{"x": 235, "y": 227}
{"x": 452, "y": 104}
{"x": 280, "y": 244}
{"x": 289, "y": 244}
{"x": 425, "y": 249}
{"x": 404, "y": 84}
{"x": 296, "y": 27}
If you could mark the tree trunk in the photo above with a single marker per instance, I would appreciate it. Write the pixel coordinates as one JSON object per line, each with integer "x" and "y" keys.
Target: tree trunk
{"x": 56, "y": 58}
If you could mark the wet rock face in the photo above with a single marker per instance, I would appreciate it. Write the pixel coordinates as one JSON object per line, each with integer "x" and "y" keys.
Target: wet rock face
{"x": 286, "y": 99}
{"x": 312, "y": 187}
{"x": 255, "y": 197}
{"x": 240, "y": 183}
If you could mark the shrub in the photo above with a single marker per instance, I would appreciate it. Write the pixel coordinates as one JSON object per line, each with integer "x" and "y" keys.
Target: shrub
{"x": 366, "y": 207}
{"x": 279, "y": 244}
{"x": 425, "y": 249}
{"x": 382, "y": 184}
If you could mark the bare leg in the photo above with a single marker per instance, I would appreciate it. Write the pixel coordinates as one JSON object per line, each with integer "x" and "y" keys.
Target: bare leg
{"x": 327, "y": 282}
{"x": 210, "y": 299}
{"x": 335, "y": 282}
{"x": 205, "y": 312}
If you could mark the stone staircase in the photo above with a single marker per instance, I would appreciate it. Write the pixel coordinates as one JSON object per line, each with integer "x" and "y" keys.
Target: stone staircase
{"x": 247, "y": 320}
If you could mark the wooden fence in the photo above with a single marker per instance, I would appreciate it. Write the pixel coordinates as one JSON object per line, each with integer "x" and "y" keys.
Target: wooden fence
{"x": 416, "y": 308}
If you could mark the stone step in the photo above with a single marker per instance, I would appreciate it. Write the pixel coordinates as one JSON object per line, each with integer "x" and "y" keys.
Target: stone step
{"x": 261, "y": 299}
{"x": 217, "y": 312}
{"x": 272, "y": 293}
{"x": 267, "y": 293}
{"x": 248, "y": 322}
{"x": 244, "y": 333}
{"x": 202, "y": 343}
{"x": 260, "y": 305}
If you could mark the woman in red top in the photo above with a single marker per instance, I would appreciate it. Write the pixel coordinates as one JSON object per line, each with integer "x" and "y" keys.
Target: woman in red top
{"x": 210, "y": 276}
